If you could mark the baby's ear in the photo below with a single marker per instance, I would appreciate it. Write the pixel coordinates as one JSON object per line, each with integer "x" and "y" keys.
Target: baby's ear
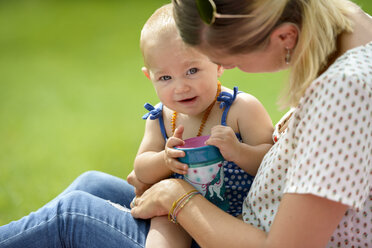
{"x": 146, "y": 72}
{"x": 220, "y": 70}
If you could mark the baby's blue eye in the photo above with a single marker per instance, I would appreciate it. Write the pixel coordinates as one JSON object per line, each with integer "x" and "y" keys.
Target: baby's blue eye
{"x": 192, "y": 71}
{"x": 165, "y": 78}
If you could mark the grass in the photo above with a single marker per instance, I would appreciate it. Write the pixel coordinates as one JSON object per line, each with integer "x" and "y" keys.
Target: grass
{"x": 71, "y": 94}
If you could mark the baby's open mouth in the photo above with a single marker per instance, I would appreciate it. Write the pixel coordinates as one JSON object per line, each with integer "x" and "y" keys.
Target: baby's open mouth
{"x": 188, "y": 100}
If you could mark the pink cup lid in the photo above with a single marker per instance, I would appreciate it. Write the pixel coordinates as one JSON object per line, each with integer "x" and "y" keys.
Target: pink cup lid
{"x": 194, "y": 142}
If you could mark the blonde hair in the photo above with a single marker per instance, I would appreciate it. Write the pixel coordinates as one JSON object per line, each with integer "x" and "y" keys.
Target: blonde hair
{"x": 323, "y": 21}
{"x": 160, "y": 24}
{"x": 319, "y": 22}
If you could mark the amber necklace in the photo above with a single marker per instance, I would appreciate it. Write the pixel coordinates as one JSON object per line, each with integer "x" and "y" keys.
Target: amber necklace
{"x": 205, "y": 116}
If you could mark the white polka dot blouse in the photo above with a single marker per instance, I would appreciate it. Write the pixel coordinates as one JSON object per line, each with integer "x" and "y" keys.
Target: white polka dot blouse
{"x": 325, "y": 151}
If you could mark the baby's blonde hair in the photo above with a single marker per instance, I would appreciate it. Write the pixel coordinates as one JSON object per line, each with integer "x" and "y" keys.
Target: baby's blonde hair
{"x": 319, "y": 21}
{"x": 159, "y": 24}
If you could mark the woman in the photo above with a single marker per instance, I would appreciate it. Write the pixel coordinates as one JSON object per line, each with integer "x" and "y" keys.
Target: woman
{"x": 313, "y": 188}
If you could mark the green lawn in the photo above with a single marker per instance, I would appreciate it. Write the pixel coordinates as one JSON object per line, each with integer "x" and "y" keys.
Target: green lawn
{"x": 72, "y": 94}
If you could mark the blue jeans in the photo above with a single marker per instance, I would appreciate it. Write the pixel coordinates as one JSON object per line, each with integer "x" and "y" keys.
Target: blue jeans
{"x": 92, "y": 212}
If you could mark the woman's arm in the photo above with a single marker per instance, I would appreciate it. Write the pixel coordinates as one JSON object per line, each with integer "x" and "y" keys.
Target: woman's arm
{"x": 302, "y": 220}
{"x": 305, "y": 220}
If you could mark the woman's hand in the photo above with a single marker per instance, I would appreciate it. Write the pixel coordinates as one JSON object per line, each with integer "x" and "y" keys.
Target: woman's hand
{"x": 171, "y": 154}
{"x": 157, "y": 200}
{"x": 225, "y": 139}
{"x": 139, "y": 187}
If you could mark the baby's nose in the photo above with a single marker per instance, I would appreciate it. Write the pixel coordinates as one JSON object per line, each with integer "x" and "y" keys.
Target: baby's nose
{"x": 182, "y": 88}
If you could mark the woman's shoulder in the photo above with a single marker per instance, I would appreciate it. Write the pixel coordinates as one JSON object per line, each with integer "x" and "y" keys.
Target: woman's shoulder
{"x": 340, "y": 96}
{"x": 348, "y": 77}
{"x": 355, "y": 63}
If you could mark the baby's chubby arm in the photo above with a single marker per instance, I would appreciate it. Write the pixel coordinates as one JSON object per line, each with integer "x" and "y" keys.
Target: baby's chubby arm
{"x": 248, "y": 117}
{"x": 156, "y": 160}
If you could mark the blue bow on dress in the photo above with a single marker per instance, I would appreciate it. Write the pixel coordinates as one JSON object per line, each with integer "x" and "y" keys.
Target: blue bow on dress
{"x": 226, "y": 100}
{"x": 154, "y": 112}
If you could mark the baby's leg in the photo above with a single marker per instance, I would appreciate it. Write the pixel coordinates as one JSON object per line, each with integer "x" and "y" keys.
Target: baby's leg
{"x": 165, "y": 234}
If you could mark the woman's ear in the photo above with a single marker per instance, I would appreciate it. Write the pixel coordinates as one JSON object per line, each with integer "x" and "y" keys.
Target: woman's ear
{"x": 146, "y": 72}
{"x": 220, "y": 70}
{"x": 286, "y": 35}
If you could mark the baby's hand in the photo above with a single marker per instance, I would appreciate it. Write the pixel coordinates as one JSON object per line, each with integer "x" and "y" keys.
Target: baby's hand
{"x": 139, "y": 187}
{"x": 225, "y": 139}
{"x": 171, "y": 154}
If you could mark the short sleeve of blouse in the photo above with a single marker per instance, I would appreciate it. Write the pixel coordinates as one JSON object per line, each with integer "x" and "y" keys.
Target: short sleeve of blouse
{"x": 333, "y": 133}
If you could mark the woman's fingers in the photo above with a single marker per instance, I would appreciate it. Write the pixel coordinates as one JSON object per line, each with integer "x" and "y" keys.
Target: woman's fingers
{"x": 133, "y": 202}
{"x": 157, "y": 200}
{"x": 149, "y": 204}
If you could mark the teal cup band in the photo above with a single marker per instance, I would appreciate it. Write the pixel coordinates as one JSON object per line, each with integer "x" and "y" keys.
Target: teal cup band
{"x": 200, "y": 155}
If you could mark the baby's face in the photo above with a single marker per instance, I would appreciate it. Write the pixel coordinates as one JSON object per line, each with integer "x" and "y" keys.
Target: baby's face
{"x": 184, "y": 79}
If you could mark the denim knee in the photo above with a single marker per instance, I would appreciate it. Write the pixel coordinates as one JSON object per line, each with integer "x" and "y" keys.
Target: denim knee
{"x": 73, "y": 200}
{"x": 89, "y": 181}
{"x": 89, "y": 176}
{"x": 105, "y": 186}
{"x": 93, "y": 220}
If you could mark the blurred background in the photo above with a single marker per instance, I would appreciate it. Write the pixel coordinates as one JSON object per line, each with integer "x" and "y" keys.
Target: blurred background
{"x": 72, "y": 94}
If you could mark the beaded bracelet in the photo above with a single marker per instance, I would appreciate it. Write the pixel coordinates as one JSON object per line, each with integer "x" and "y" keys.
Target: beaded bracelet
{"x": 179, "y": 204}
{"x": 174, "y": 205}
